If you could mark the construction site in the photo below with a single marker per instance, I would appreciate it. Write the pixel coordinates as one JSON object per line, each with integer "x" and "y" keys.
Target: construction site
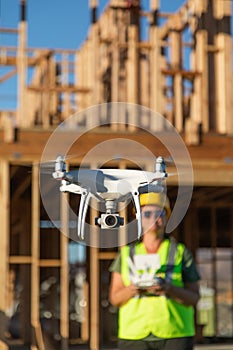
{"x": 54, "y": 287}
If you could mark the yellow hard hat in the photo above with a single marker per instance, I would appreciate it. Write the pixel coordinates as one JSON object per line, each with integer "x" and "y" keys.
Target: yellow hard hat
{"x": 154, "y": 198}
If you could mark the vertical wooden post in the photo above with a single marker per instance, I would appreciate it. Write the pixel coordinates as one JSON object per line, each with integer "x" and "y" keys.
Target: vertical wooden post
{"x": 115, "y": 78}
{"x": 79, "y": 98}
{"x": 176, "y": 64}
{"x": 223, "y": 59}
{"x": 115, "y": 72}
{"x": 35, "y": 273}
{"x": 94, "y": 282}
{"x": 22, "y": 68}
{"x": 200, "y": 100}
{"x": 122, "y": 240}
{"x": 64, "y": 296}
{"x": 93, "y": 4}
{"x": 94, "y": 302}
{"x": 155, "y": 69}
{"x": 53, "y": 96}
{"x": 93, "y": 55}
{"x": 144, "y": 79}
{"x": 132, "y": 65}
{"x": 45, "y": 95}
{"x": 65, "y": 81}
{"x": 132, "y": 72}
{"x": 4, "y": 242}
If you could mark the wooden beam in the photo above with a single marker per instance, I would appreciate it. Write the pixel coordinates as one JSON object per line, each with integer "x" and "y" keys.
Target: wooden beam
{"x": 8, "y": 75}
{"x": 85, "y": 310}
{"x": 40, "y": 55}
{"x": 22, "y": 259}
{"x": 58, "y": 88}
{"x": 200, "y": 96}
{"x": 122, "y": 237}
{"x": 223, "y": 72}
{"x": 94, "y": 302}
{"x": 94, "y": 280}
{"x": 22, "y": 69}
{"x": 5, "y": 231}
{"x": 37, "y": 337}
{"x": 9, "y": 30}
{"x": 187, "y": 74}
{"x": 50, "y": 263}
{"x": 132, "y": 65}
{"x": 64, "y": 272}
{"x": 181, "y": 18}
{"x": 224, "y": 84}
{"x": 65, "y": 80}
{"x": 155, "y": 77}
{"x": 176, "y": 63}
{"x": 107, "y": 255}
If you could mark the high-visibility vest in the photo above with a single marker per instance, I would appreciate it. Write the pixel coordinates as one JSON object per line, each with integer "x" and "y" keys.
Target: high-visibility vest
{"x": 160, "y": 315}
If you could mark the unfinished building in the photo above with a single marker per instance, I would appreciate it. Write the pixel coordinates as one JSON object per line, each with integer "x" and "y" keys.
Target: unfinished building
{"x": 54, "y": 290}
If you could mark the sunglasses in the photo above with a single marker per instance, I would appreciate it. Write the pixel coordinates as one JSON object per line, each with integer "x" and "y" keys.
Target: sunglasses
{"x": 157, "y": 214}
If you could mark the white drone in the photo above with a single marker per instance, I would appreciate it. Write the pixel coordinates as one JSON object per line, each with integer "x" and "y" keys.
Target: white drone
{"x": 109, "y": 186}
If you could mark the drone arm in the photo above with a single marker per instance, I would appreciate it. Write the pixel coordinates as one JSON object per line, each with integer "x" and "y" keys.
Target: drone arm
{"x": 138, "y": 212}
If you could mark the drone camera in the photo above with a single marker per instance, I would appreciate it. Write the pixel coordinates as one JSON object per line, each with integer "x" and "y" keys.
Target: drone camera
{"x": 109, "y": 221}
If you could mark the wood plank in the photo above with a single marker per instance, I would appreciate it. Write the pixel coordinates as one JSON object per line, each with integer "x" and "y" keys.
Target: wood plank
{"x": 107, "y": 255}
{"x": 224, "y": 83}
{"x": 16, "y": 259}
{"x": 155, "y": 77}
{"x": 64, "y": 272}
{"x": 94, "y": 282}
{"x": 8, "y": 75}
{"x": 181, "y": 17}
{"x": 176, "y": 62}
{"x": 9, "y": 30}
{"x": 35, "y": 273}
{"x": 85, "y": 315}
{"x": 21, "y": 69}
{"x": 5, "y": 232}
{"x": 132, "y": 65}
{"x": 50, "y": 263}
{"x": 94, "y": 302}
{"x": 59, "y": 88}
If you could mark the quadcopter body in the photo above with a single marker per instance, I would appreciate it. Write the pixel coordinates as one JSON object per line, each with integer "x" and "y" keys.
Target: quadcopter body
{"x": 109, "y": 186}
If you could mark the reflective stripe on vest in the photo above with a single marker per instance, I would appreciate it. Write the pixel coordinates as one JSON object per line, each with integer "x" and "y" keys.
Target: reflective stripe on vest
{"x": 160, "y": 316}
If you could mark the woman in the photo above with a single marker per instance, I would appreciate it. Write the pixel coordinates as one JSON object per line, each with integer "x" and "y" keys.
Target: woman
{"x": 160, "y": 313}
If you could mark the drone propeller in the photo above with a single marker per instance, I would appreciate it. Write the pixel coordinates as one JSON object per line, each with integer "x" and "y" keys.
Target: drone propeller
{"x": 63, "y": 158}
{"x": 47, "y": 166}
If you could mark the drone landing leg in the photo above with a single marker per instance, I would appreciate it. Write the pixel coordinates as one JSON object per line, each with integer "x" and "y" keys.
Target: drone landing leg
{"x": 138, "y": 212}
{"x": 84, "y": 202}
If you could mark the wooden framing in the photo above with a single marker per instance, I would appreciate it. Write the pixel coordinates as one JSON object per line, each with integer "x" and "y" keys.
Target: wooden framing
{"x": 116, "y": 63}
{"x": 111, "y": 66}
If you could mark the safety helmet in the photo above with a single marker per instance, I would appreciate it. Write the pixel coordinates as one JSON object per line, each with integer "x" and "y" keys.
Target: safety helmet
{"x": 154, "y": 198}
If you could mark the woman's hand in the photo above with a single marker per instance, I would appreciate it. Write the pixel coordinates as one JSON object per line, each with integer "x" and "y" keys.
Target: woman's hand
{"x": 160, "y": 288}
{"x": 119, "y": 293}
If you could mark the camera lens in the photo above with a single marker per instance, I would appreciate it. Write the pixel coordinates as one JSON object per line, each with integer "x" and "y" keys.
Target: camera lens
{"x": 111, "y": 220}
